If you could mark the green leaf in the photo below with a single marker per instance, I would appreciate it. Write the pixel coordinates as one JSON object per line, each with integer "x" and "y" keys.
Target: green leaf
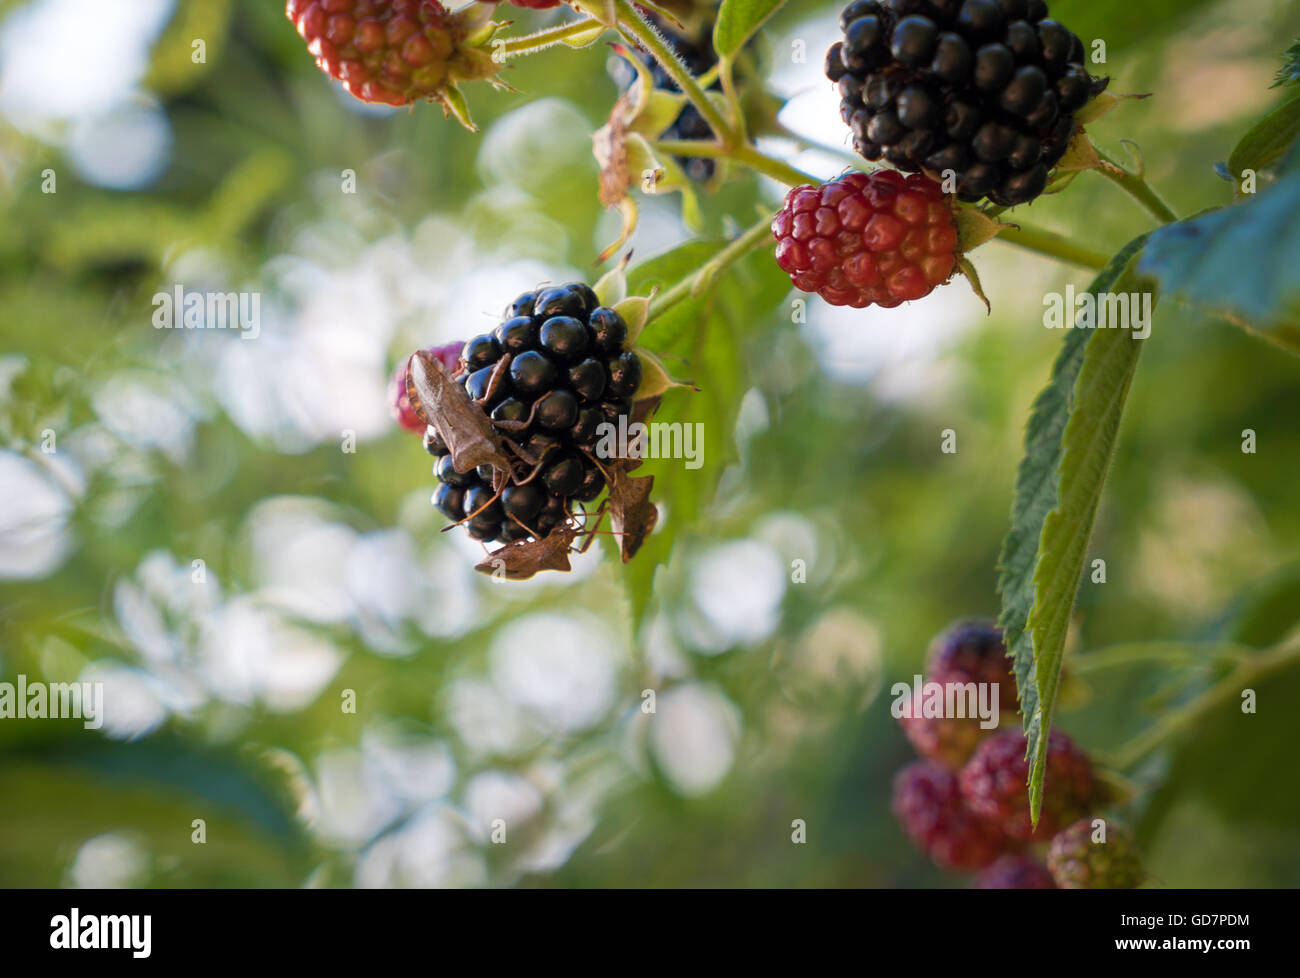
{"x": 701, "y": 341}
{"x": 1069, "y": 442}
{"x": 738, "y": 21}
{"x": 1289, "y": 73}
{"x": 1264, "y": 145}
{"x": 1241, "y": 264}
{"x": 55, "y": 795}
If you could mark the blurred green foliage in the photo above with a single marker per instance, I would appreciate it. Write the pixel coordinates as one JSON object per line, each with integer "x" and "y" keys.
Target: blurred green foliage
{"x": 811, "y": 463}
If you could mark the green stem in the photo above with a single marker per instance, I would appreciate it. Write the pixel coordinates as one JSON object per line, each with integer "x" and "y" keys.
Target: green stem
{"x": 635, "y": 27}
{"x": 1137, "y": 188}
{"x": 734, "y": 108}
{"x": 746, "y": 156}
{"x": 1048, "y": 243}
{"x": 1215, "y": 698}
{"x": 1168, "y": 653}
{"x": 751, "y": 240}
{"x": 531, "y": 43}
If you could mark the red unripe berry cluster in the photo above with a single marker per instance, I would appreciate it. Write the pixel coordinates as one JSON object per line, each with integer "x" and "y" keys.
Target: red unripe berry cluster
{"x": 867, "y": 239}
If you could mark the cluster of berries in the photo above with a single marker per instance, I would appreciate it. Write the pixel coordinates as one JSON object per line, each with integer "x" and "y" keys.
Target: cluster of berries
{"x": 391, "y": 52}
{"x": 867, "y": 239}
{"x": 985, "y": 88}
{"x": 966, "y": 805}
{"x": 548, "y": 377}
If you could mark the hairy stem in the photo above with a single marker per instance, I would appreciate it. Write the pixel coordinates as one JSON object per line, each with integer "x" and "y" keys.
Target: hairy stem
{"x": 1217, "y": 697}
{"x": 751, "y": 240}
{"x": 1137, "y": 188}
{"x": 531, "y": 43}
{"x": 635, "y": 27}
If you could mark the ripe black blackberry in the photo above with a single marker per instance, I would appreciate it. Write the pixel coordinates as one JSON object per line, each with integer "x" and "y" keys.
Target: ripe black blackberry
{"x": 986, "y": 88}
{"x": 566, "y": 374}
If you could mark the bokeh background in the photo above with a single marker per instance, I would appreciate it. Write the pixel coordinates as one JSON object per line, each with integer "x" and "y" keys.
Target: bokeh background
{"x": 323, "y": 569}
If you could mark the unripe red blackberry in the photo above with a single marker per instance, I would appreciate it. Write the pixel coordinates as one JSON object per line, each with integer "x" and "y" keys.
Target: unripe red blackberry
{"x": 867, "y": 239}
{"x": 395, "y": 52}
{"x": 389, "y": 51}
{"x": 994, "y": 784}
{"x": 949, "y": 741}
{"x": 985, "y": 88}
{"x": 548, "y": 403}
{"x": 929, "y": 805}
{"x": 1015, "y": 871}
{"x": 1077, "y": 862}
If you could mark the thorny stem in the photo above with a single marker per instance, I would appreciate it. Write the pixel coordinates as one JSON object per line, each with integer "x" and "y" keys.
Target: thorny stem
{"x": 1248, "y": 671}
{"x": 530, "y": 43}
{"x": 1137, "y": 188}
{"x": 636, "y": 28}
{"x": 754, "y": 238}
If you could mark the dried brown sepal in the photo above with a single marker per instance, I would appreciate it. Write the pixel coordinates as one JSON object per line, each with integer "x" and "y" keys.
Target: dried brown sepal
{"x": 631, "y": 514}
{"x": 520, "y": 561}
{"x": 439, "y": 401}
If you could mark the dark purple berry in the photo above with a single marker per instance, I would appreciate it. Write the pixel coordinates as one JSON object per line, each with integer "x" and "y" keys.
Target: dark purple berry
{"x": 1025, "y": 153}
{"x": 476, "y": 384}
{"x": 432, "y": 441}
{"x": 557, "y": 411}
{"x": 994, "y": 66}
{"x": 561, "y": 301}
{"x": 523, "y": 306}
{"x": 533, "y": 374}
{"x": 980, "y": 18}
{"x": 584, "y": 429}
{"x": 913, "y": 41}
{"x": 1025, "y": 91}
{"x": 593, "y": 484}
{"x": 588, "y": 380}
{"x": 835, "y": 69}
{"x": 522, "y": 502}
{"x": 624, "y": 375}
{"x": 565, "y": 338}
{"x": 564, "y": 476}
{"x": 447, "y": 474}
{"x": 1022, "y": 40}
{"x": 511, "y": 410}
{"x": 609, "y": 330}
{"x": 1055, "y": 40}
{"x": 450, "y": 501}
{"x": 918, "y": 108}
{"x": 483, "y": 528}
{"x": 517, "y": 334}
{"x": 953, "y": 58}
{"x": 962, "y": 120}
{"x": 993, "y": 142}
{"x": 481, "y": 351}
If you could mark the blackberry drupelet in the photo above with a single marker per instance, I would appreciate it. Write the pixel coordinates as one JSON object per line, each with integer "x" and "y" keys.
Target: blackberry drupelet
{"x": 986, "y": 88}
{"x": 547, "y": 377}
